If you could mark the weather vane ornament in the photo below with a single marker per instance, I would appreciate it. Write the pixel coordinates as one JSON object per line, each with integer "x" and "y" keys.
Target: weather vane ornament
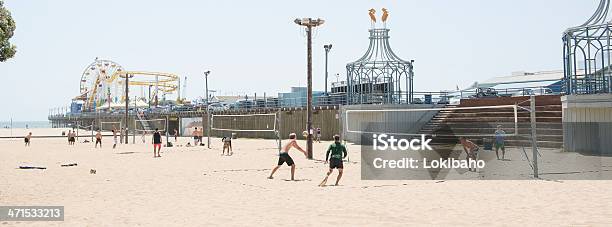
{"x": 372, "y": 13}
{"x": 385, "y": 16}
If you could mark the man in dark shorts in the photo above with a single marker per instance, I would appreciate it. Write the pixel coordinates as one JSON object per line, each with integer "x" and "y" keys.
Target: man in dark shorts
{"x": 27, "y": 139}
{"x": 98, "y": 139}
{"x": 338, "y": 152}
{"x": 73, "y": 137}
{"x": 285, "y": 158}
{"x": 69, "y": 135}
{"x": 227, "y": 145}
{"x": 157, "y": 142}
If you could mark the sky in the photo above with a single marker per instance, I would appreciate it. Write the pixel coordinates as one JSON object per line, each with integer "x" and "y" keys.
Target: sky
{"x": 255, "y": 47}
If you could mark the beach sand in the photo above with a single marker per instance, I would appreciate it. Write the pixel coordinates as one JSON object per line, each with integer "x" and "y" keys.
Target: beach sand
{"x": 190, "y": 186}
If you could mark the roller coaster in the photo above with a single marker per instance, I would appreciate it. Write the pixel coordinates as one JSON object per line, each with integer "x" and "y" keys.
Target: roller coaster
{"x": 102, "y": 84}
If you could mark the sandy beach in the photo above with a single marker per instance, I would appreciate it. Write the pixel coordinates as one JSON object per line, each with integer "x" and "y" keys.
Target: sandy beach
{"x": 197, "y": 186}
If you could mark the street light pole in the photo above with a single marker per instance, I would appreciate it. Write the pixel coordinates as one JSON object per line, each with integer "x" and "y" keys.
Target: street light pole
{"x": 127, "y": 99}
{"x": 327, "y": 49}
{"x": 150, "y": 96}
{"x": 309, "y": 23}
{"x": 207, "y": 109}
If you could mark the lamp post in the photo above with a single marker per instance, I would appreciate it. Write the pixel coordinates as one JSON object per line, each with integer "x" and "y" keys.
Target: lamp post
{"x": 150, "y": 96}
{"x": 309, "y": 23}
{"x": 207, "y": 108}
{"x": 327, "y": 49}
{"x": 127, "y": 102}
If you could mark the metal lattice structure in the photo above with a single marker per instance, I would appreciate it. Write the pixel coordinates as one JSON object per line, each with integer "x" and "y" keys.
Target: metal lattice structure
{"x": 587, "y": 56}
{"x": 380, "y": 76}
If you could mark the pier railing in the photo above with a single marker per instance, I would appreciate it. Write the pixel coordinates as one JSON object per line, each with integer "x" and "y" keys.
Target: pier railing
{"x": 334, "y": 99}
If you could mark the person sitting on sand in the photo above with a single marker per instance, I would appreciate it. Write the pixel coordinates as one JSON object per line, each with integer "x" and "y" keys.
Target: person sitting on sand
{"x": 285, "y": 158}
{"x": 470, "y": 149}
{"x": 338, "y": 152}
{"x": 27, "y": 139}
{"x": 157, "y": 142}
{"x": 227, "y": 144}
{"x": 499, "y": 142}
{"x": 98, "y": 139}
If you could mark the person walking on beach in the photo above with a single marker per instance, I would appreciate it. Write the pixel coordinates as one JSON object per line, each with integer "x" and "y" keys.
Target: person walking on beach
{"x": 114, "y": 138}
{"x": 144, "y": 135}
{"x": 157, "y": 142}
{"x": 98, "y": 139}
{"x": 499, "y": 142}
{"x": 319, "y": 135}
{"x": 471, "y": 149}
{"x": 285, "y": 158}
{"x": 338, "y": 152}
{"x": 227, "y": 144}
{"x": 27, "y": 139}
{"x": 175, "y": 135}
{"x": 73, "y": 137}
{"x": 68, "y": 136}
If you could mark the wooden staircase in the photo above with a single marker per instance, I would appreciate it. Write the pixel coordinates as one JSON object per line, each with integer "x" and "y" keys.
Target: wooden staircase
{"x": 448, "y": 125}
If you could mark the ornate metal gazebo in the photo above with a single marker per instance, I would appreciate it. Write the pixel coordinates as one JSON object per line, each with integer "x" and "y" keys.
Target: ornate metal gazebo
{"x": 587, "y": 56}
{"x": 380, "y": 76}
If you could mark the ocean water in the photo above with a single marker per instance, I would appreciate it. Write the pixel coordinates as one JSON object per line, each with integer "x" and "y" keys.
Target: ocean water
{"x": 25, "y": 124}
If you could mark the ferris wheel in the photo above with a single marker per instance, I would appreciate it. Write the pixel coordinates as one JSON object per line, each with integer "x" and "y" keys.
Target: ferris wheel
{"x": 96, "y": 85}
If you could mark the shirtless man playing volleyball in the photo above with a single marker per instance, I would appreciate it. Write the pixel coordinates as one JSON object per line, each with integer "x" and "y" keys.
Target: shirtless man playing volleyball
{"x": 285, "y": 158}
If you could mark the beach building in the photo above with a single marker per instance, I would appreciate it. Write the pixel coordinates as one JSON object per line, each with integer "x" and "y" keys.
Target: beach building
{"x": 541, "y": 82}
{"x": 298, "y": 97}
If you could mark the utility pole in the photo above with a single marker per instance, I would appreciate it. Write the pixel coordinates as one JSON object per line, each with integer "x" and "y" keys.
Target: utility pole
{"x": 309, "y": 23}
{"x": 207, "y": 109}
{"x": 327, "y": 49}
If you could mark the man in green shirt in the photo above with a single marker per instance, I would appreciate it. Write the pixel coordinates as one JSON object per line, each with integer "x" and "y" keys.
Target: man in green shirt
{"x": 338, "y": 152}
